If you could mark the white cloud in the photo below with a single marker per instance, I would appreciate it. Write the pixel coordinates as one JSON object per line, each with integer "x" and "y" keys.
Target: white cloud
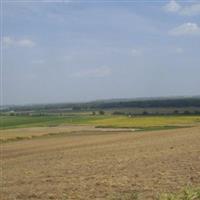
{"x": 172, "y": 6}
{"x": 25, "y": 43}
{"x": 8, "y": 41}
{"x": 94, "y": 72}
{"x": 179, "y": 50}
{"x": 191, "y": 10}
{"x": 191, "y": 29}
{"x": 38, "y": 62}
{"x": 67, "y": 57}
{"x": 175, "y": 7}
{"x": 136, "y": 52}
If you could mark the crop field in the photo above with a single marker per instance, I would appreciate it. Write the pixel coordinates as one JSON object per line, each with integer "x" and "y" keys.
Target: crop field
{"x": 85, "y": 157}
{"x": 43, "y": 121}
{"x": 8, "y": 122}
{"x": 149, "y": 121}
{"x": 100, "y": 100}
{"x": 30, "y": 127}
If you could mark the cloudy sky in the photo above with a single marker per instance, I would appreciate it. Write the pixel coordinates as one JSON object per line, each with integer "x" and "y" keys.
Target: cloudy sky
{"x": 76, "y": 50}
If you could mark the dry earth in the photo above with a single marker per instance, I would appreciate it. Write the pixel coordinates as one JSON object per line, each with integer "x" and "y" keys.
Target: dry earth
{"x": 105, "y": 165}
{"x": 28, "y": 133}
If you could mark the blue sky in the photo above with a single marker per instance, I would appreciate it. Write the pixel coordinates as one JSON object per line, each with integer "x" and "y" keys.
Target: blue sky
{"x": 64, "y": 51}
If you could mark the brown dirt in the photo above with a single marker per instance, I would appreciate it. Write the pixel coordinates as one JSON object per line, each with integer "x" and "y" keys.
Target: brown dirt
{"x": 28, "y": 133}
{"x": 101, "y": 166}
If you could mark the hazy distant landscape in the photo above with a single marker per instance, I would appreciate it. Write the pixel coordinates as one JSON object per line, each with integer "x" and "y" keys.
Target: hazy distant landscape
{"x": 115, "y": 148}
{"x": 100, "y": 100}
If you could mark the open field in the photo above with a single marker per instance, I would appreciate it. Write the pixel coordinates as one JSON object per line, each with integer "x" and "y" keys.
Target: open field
{"x": 109, "y": 165}
{"x": 149, "y": 121}
{"x": 19, "y": 127}
{"x": 8, "y": 122}
{"x": 100, "y": 100}
{"x": 10, "y": 135}
{"x": 44, "y": 121}
{"x": 85, "y": 157}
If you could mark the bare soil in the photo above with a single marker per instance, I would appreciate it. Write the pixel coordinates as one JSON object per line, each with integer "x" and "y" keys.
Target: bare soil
{"x": 101, "y": 166}
{"x": 28, "y": 133}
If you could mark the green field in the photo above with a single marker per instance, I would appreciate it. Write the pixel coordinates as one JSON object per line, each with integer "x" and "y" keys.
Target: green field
{"x": 7, "y": 122}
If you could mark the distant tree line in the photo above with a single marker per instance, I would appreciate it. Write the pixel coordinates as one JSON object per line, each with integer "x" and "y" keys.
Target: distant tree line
{"x": 176, "y": 103}
{"x": 101, "y": 105}
{"x": 175, "y": 112}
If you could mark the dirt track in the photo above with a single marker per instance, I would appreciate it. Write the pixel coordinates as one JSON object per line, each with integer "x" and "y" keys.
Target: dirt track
{"x": 101, "y": 166}
{"x": 28, "y": 133}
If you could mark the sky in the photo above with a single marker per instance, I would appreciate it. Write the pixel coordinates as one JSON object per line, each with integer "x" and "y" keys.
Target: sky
{"x": 83, "y": 50}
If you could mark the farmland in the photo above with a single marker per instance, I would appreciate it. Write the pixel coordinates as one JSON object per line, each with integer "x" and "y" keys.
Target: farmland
{"x": 108, "y": 165}
{"x": 8, "y": 122}
{"x": 26, "y": 127}
{"x": 100, "y": 100}
{"x": 84, "y": 156}
{"x": 42, "y": 121}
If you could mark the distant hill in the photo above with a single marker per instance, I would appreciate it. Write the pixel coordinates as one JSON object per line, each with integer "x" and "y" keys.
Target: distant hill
{"x": 160, "y": 102}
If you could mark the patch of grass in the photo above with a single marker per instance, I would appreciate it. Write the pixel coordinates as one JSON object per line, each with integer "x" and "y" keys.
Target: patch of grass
{"x": 186, "y": 194}
{"x": 157, "y": 128}
{"x": 55, "y": 135}
{"x": 48, "y": 135}
{"x": 151, "y": 128}
{"x": 18, "y": 138}
{"x": 8, "y": 122}
{"x": 134, "y": 195}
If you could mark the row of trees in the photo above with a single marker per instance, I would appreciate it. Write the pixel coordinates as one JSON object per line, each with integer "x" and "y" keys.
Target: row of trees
{"x": 101, "y": 112}
{"x": 101, "y": 105}
{"x": 175, "y": 112}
